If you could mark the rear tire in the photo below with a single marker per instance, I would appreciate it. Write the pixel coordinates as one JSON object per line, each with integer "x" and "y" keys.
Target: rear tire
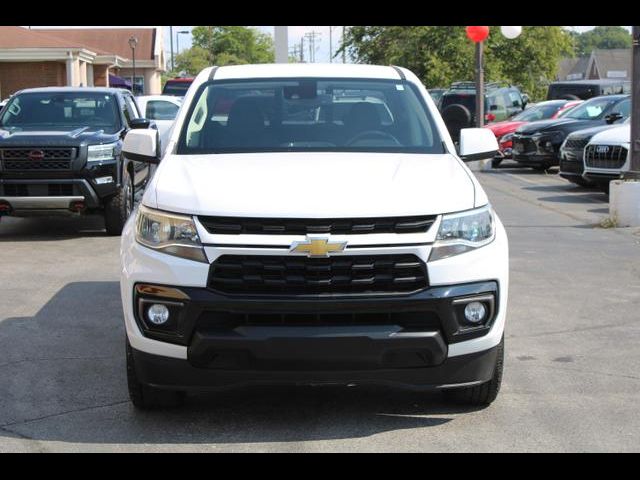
{"x": 483, "y": 394}
{"x": 495, "y": 162}
{"x": 145, "y": 397}
{"x": 118, "y": 208}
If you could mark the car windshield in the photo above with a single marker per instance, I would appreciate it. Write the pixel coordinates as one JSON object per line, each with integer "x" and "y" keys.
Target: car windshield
{"x": 310, "y": 114}
{"x": 61, "y": 110}
{"x": 537, "y": 112}
{"x": 593, "y": 109}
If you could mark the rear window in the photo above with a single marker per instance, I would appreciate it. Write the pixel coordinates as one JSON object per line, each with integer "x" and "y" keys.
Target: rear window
{"x": 178, "y": 88}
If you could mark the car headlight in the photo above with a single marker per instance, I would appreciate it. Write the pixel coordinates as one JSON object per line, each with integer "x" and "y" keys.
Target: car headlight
{"x": 169, "y": 233}
{"x": 99, "y": 153}
{"x": 506, "y": 138}
{"x": 464, "y": 231}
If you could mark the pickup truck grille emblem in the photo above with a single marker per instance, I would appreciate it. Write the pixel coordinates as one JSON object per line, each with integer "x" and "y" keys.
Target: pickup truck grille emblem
{"x": 36, "y": 155}
{"x": 317, "y": 247}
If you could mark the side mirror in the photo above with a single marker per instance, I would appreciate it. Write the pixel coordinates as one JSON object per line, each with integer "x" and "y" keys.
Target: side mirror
{"x": 140, "y": 123}
{"x": 142, "y": 146}
{"x": 613, "y": 117}
{"x": 477, "y": 144}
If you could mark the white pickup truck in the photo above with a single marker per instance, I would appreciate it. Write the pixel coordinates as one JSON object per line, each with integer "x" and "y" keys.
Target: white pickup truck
{"x": 276, "y": 245}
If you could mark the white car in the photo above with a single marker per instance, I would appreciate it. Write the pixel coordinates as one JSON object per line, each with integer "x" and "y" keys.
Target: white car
{"x": 272, "y": 246}
{"x": 162, "y": 109}
{"x": 606, "y": 156}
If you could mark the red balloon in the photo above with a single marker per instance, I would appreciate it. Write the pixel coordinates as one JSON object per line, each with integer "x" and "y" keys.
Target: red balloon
{"x": 477, "y": 34}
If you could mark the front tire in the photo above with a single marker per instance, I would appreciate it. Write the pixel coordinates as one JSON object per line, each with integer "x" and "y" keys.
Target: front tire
{"x": 119, "y": 207}
{"x": 485, "y": 393}
{"x": 145, "y": 397}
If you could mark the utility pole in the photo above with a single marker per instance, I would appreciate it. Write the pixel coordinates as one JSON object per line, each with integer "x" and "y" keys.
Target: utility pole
{"x": 301, "y": 49}
{"x": 281, "y": 43}
{"x": 312, "y": 44}
{"x": 634, "y": 168}
{"x": 171, "y": 35}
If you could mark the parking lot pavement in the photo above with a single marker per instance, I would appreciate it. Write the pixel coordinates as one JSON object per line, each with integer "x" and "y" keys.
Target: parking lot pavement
{"x": 571, "y": 381}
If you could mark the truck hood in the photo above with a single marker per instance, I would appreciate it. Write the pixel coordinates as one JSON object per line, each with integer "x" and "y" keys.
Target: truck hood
{"x": 562, "y": 124}
{"x": 54, "y": 138}
{"x": 312, "y": 185}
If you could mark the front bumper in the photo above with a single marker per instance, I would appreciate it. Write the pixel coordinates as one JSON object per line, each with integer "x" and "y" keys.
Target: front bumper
{"x": 252, "y": 348}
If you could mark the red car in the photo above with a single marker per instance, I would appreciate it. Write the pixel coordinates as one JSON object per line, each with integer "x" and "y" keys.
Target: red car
{"x": 540, "y": 111}
{"x": 177, "y": 86}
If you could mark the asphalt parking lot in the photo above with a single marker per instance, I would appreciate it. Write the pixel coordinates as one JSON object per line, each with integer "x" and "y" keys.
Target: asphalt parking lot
{"x": 571, "y": 380}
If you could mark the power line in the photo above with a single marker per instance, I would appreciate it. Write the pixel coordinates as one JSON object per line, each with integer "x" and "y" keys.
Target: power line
{"x": 311, "y": 36}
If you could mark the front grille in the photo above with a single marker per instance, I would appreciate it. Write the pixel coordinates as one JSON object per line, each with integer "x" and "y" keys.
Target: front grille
{"x": 523, "y": 145}
{"x": 28, "y": 159}
{"x": 39, "y": 190}
{"x": 414, "y": 321}
{"x": 299, "y": 226}
{"x": 296, "y": 275}
{"x": 605, "y": 156}
{"x": 576, "y": 143}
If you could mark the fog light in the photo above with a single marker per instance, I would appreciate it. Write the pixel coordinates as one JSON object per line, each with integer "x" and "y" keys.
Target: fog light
{"x": 158, "y": 314}
{"x": 475, "y": 312}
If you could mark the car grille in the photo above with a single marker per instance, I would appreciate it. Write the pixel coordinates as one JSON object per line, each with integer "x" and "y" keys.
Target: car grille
{"x": 297, "y": 275}
{"x": 605, "y": 156}
{"x": 298, "y": 226}
{"x": 576, "y": 144}
{"x": 523, "y": 145}
{"x": 37, "y": 158}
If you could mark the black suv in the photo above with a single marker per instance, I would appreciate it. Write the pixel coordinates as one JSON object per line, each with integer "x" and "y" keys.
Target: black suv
{"x": 537, "y": 144}
{"x": 60, "y": 153}
{"x": 586, "y": 89}
{"x": 458, "y": 105}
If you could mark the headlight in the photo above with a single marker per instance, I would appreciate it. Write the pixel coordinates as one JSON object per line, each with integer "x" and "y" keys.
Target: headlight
{"x": 98, "y": 153}
{"x": 169, "y": 233}
{"x": 506, "y": 138}
{"x": 464, "y": 231}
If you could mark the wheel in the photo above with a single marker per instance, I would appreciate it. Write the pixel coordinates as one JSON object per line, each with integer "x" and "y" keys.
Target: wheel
{"x": 484, "y": 393}
{"x": 145, "y": 397}
{"x": 495, "y": 162}
{"x": 119, "y": 207}
{"x": 456, "y": 117}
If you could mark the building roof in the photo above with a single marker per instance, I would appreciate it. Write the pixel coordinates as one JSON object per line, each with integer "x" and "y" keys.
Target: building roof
{"x": 19, "y": 37}
{"x": 613, "y": 60}
{"x": 109, "y": 40}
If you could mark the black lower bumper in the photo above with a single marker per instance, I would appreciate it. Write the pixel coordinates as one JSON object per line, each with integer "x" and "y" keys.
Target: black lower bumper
{"x": 601, "y": 178}
{"x": 176, "y": 374}
{"x": 536, "y": 159}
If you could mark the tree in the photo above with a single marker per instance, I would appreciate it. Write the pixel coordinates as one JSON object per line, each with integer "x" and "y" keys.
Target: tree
{"x": 439, "y": 55}
{"x": 193, "y": 60}
{"x": 606, "y": 37}
{"x": 232, "y": 45}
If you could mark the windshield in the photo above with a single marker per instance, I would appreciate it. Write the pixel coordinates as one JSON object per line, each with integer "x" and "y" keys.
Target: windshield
{"x": 310, "y": 114}
{"x": 61, "y": 110}
{"x": 593, "y": 109}
{"x": 537, "y": 112}
{"x": 176, "y": 88}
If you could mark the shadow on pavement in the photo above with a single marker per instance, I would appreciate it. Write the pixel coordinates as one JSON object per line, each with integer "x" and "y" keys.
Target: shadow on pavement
{"x": 568, "y": 198}
{"x": 50, "y": 228}
{"x": 62, "y": 374}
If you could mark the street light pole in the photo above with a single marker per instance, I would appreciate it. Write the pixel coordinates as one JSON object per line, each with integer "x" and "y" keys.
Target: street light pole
{"x": 479, "y": 85}
{"x": 173, "y": 67}
{"x": 634, "y": 167}
{"x": 133, "y": 43}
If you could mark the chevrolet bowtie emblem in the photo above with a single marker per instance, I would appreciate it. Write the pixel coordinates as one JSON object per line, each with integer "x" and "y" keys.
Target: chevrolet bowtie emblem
{"x": 317, "y": 247}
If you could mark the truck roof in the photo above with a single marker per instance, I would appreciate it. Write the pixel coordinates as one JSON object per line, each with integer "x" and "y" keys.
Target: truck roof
{"x": 328, "y": 70}
{"x": 72, "y": 89}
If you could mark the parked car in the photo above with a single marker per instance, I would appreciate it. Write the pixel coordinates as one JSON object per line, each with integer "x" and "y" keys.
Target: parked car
{"x": 162, "y": 109}
{"x": 504, "y": 130}
{"x": 572, "y": 154}
{"x": 566, "y": 108}
{"x": 177, "y": 86}
{"x": 272, "y": 248}
{"x": 60, "y": 153}
{"x": 586, "y": 89}
{"x": 537, "y": 144}
{"x": 458, "y": 105}
{"x": 606, "y": 156}
{"x": 436, "y": 94}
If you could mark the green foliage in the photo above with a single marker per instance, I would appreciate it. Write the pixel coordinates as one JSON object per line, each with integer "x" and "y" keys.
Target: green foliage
{"x": 192, "y": 61}
{"x": 606, "y": 37}
{"x": 232, "y": 45}
{"x": 439, "y": 55}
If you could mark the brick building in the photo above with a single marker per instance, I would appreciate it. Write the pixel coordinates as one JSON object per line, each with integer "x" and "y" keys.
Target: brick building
{"x": 79, "y": 57}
